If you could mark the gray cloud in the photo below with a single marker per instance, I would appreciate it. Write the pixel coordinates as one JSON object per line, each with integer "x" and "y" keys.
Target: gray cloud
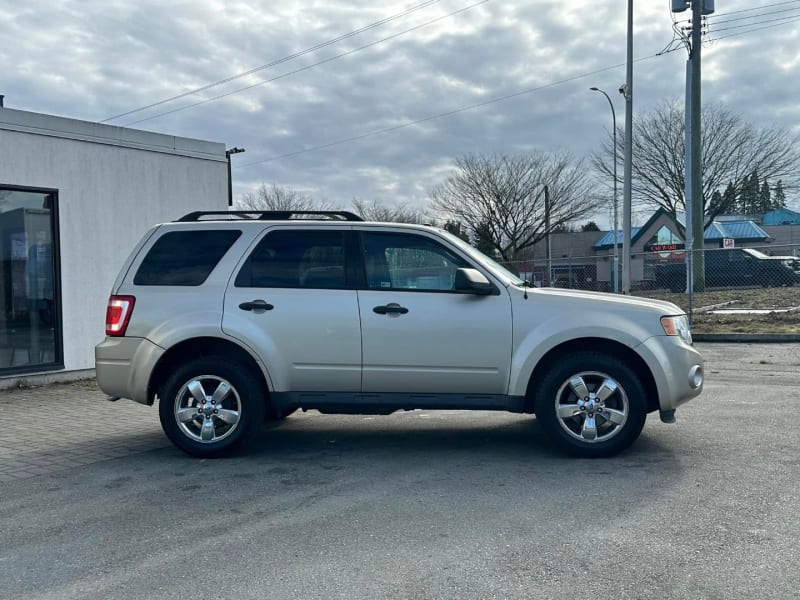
{"x": 93, "y": 59}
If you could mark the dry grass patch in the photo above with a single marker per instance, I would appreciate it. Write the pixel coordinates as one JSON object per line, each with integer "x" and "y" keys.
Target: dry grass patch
{"x": 704, "y": 321}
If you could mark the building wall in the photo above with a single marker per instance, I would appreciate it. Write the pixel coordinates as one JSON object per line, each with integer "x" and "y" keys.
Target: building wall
{"x": 784, "y": 239}
{"x": 113, "y": 184}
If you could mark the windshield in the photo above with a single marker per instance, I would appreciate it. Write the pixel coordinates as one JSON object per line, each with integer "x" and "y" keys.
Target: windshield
{"x": 755, "y": 253}
{"x": 499, "y": 269}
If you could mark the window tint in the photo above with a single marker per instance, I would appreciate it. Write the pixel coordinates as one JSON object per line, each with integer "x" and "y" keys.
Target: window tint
{"x": 184, "y": 257}
{"x": 409, "y": 262}
{"x": 296, "y": 259}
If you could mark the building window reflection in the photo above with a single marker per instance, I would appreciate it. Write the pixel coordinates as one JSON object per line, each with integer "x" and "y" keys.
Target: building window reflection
{"x": 29, "y": 307}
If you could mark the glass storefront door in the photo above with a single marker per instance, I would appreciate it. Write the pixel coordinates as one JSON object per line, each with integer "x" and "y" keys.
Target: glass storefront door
{"x": 29, "y": 291}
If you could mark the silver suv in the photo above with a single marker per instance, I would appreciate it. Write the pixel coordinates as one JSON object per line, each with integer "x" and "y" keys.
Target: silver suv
{"x": 231, "y": 319}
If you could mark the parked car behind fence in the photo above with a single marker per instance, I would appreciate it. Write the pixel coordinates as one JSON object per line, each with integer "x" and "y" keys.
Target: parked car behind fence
{"x": 734, "y": 267}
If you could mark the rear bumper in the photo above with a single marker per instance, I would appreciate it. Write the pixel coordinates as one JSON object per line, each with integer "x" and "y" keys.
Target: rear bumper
{"x": 123, "y": 366}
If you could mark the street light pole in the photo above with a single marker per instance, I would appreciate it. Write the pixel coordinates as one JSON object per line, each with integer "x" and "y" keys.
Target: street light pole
{"x": 230, "y": 180}
{"x": 615, "y": 277}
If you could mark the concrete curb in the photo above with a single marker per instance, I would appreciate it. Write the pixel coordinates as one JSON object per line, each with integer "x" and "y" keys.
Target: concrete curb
{"x": 752, "y": 338}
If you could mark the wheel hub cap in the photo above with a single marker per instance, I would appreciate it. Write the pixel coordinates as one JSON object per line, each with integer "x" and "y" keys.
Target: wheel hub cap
{"x": 207, "y": 409}
{"x": 591, "y": 407}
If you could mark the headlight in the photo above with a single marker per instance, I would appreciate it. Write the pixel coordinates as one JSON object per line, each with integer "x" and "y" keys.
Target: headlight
{"x": 677, "y": 326}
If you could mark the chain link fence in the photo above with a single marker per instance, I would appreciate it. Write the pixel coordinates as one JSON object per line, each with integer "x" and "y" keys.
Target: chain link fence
{"x": 744, "y": 289}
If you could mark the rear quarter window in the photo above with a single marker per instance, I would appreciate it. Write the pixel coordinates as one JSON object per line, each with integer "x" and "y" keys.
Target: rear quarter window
{"x": 184, "y": 257}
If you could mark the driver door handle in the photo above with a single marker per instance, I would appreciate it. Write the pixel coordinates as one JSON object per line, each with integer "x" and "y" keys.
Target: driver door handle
{"x": 390, "y": 309}
{"x": 256, "y": 306}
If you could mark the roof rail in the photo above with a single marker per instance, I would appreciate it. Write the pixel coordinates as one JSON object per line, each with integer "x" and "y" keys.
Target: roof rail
{"x": 270, "y": 215}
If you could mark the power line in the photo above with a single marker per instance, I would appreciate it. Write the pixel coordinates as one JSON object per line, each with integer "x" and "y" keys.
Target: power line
{"x": 279, "y": 61}
{"x": 794, "y": 17}
{"x": 736, "y": 12}
{"x": 440, "y": 115}
{"x": 712, "y": 19}
{"x": 767, "y": 14}
{"x": 479, "y": 104}
{"x": 311, "y": 66}
{"x": 680, "y": 37}
{"x": 722, "y": 37}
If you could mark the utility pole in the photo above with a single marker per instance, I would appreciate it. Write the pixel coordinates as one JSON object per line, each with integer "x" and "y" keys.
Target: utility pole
{"x": 695, "y": 218}
{"x": 547, "y": 228}
{"x": 698, "y": 220}
{"x": 627, "y": 91}
{"x": 230, "y": 179}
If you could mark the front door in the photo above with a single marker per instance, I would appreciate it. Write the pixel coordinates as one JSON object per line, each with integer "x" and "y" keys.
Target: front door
{"x": 421, "y": 336}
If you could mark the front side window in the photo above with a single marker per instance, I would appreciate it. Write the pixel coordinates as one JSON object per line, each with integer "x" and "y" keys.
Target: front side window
{"x": 29, "y": 286}
{"x": 397, "y": 261}
{"x": 184, "y": 257}
{"x": 296, "y": 259}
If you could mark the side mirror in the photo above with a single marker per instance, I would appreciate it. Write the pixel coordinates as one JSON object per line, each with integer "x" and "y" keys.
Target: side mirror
{"x": 472, "y": 281}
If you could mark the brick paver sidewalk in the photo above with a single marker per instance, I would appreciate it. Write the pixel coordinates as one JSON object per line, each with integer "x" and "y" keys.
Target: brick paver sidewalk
{"x": 61, "y": 426}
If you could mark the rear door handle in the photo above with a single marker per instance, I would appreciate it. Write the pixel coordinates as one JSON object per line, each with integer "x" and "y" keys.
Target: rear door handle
{"x": 256, "y": 306}
{"x": 390, "y": 309}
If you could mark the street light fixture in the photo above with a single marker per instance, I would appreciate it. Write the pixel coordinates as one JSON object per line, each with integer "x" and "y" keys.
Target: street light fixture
{"x": 616, "y": 228}
{"x": 230, "y": 183}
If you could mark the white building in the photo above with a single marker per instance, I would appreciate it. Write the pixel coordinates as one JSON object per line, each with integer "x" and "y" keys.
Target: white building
{"x": 75, "y": 197}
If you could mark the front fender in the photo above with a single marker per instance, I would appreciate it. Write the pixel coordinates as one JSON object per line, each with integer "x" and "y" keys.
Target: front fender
{"x": 550, "y": 334}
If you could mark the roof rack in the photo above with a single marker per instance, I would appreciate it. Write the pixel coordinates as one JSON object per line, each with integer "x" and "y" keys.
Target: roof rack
{"x": 271, "y": 215}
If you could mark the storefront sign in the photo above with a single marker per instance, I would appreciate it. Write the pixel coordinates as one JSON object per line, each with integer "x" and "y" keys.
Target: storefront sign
{"x": 663, "y": 247}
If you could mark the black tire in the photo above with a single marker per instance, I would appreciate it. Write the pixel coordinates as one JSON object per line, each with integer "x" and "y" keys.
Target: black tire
{"x": 232, "y": 408}
{"x": 613, "y": 399}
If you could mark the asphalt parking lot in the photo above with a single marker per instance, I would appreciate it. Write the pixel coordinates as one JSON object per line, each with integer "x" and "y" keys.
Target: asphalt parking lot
{"x": 95, "y": 503}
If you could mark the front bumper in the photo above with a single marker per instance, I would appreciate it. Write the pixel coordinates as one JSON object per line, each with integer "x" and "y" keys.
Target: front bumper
{"x": 677, "y": 369}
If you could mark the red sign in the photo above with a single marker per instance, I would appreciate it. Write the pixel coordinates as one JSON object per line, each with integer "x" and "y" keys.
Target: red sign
{"x": 663, "y": 247}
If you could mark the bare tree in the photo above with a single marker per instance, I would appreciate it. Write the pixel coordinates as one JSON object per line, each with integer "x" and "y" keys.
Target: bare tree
{"x": 732, "y": 149}
{"x": 280, "y": 198}
{"x": 374, "y": 211}
{"x": 501, "y": 199}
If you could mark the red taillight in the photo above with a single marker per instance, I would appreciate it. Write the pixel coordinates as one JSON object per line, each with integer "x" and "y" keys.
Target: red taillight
{"x": 118, "y": 314}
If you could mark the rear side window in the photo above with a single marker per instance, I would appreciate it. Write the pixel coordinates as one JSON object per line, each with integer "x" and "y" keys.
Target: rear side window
{"x": 296, "y": 259}
{"x": 184, "y": 257}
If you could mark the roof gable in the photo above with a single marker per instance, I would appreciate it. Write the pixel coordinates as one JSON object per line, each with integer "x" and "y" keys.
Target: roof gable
{"x": 716, "y": 230}
{"x": 781, "y": 216}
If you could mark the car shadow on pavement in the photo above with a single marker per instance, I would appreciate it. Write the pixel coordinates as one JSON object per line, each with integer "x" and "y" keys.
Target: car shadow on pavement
{"x": 435, "y": 436}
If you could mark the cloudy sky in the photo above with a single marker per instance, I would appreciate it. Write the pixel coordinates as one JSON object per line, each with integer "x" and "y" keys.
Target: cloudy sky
{"x": 376, "y": 99}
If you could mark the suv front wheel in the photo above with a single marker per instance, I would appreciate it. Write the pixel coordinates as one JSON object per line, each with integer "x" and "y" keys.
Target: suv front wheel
{"x": 591, "y": 404}
{"x": 209, "y": 406}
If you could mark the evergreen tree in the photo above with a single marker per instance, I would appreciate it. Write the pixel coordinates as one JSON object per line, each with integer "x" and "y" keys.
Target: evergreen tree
{"x": 483, "y": 240}
{"x": 456, "y": 229}
{"x": 780, "y": 197}
{"x": 716, "y": 201}
{"x": 748, "y": 197}
{"x": 764, "y": 202}
{"x": 729, "y": 198}
{"x": 590, "y": 226}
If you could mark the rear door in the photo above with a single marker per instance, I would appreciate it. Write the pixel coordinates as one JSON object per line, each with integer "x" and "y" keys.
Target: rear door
{"x": 292, "y": 301}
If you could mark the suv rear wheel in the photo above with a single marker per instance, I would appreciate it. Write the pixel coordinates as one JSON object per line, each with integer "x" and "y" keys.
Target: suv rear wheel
{"x": 591, "y": 404}
{"x": 209, "y": 406}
